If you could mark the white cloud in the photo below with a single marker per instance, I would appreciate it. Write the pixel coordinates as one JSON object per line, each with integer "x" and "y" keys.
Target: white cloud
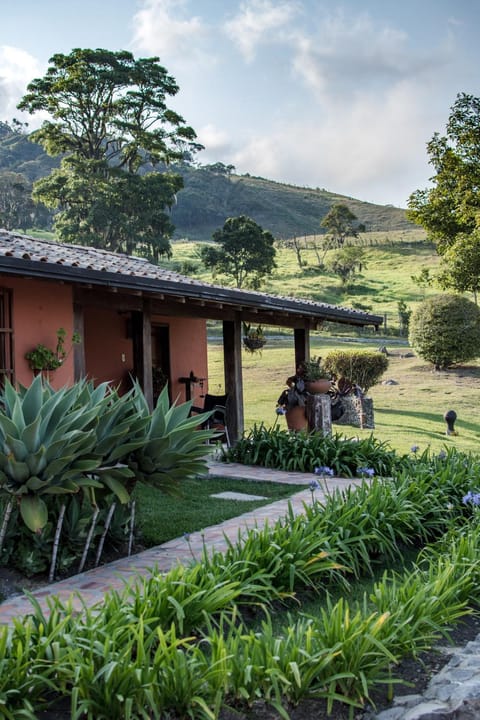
{"x": 215, "y": 140}
{"x": 17, "y": 69}
{"x": 259, "y": 21}
{"x": 159, "y": 29}
{"x": 375, "y": 151}
{"x": 349, "y": 52}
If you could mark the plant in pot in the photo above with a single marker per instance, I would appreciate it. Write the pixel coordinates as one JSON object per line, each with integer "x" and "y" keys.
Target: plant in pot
{"x": 253, "y": 337}
{"x": 310, "y": 378}
{"x": 44, "y": 359}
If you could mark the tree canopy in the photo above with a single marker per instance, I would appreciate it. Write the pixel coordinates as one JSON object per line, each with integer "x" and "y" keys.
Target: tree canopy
{"x": 445, "y": 329}
{"x": 246, "y": 252}
{"x": 450, "y": 209}
{"x": 111, "y": 125}
{"x": 340, "y": 223}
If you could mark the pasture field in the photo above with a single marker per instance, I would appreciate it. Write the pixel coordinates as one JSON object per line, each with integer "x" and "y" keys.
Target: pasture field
{"x": 407, "y": 413}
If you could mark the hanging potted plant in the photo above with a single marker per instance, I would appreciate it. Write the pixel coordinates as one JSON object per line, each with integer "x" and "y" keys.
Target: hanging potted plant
{"x": 44, "y": 359}
{"x": 253, "y": 338}
{"x": 310, "y": 378}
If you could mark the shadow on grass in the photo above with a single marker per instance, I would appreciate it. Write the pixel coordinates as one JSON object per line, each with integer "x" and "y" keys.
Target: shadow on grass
{"x": 428, "y": 417}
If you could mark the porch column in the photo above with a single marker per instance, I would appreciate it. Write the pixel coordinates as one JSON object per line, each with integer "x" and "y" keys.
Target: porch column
{"x": 232, "y": 363}
{"x": 79, "y": 367}
{"x": 302, "y": 345}
{"x": 142, "y": 349}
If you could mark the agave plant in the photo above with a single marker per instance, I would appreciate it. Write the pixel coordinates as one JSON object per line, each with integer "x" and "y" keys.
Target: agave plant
{"x": 46, "y": 447}
{"x": 174, "y": 446}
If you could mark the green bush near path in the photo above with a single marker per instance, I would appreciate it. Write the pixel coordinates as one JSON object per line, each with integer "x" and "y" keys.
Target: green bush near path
{"x": 180, "y": 645}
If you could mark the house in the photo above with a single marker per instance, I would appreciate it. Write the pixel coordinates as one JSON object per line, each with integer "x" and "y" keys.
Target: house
{"x": 136, "y": 319}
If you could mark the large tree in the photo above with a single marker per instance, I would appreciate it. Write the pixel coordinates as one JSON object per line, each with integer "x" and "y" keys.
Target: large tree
{"x": 450, "y": 209}
{"x": 340, "y": 223}
{"x": 246, "y": 252}
{"x": 111, "y": 125}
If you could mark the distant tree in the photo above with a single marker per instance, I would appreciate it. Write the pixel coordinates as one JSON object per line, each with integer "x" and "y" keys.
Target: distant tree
{"x": 451, "y": 207}
{"x": 340, "y": 223}
{"x": 404, "y": 314}
{"x": 445, "y": 329}
{"x": 346, "y": 263}
{"x": 460, "y": 267}
{"x": 109, "y": 122}
{"x": 246, "y": 252}
{"x": 17, "y": 208}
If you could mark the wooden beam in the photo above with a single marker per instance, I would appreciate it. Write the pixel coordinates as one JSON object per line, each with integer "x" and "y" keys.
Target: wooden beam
{"x": 232, "y": 361}
{"x": 302, "y": 345}
{"x": 79, "y": 366}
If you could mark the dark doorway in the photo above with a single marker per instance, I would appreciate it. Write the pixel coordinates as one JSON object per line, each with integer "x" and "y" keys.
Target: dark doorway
{"x": 160, "y": 359}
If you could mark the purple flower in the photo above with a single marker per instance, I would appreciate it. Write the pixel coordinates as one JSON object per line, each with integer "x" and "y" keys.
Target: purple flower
{"x": 324, "y": 470}
{"x": 365, "y": 472}
{"x": 471, "y": 498}
{"x": 314, "y": 485}
{"x": 280, "y": 410}
{"x": 442, "y": 455}
{"x": 415, "y": 449}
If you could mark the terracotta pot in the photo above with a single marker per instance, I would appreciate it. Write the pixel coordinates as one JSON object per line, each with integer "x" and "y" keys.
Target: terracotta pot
{"x": 296, "y": 418}
{"x": 318, "y": 386}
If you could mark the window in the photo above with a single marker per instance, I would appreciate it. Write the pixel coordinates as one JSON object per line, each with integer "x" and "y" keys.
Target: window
{"x": 6, "y": 336}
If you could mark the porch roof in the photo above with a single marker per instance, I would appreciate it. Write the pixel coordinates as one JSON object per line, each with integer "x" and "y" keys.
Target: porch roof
{"x": 21, "y": 255}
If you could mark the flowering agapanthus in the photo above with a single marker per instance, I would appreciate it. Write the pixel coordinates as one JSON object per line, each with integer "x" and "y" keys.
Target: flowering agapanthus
{"x": 415, "y": 449}
{"x": 471, "y": 498}
{"x": 365, "y": 472}
{"x": 314, "y": 485}
{"x": 442, "y": 455}
{"x": 280, "y": 410}
{"x": 324, "y": 470}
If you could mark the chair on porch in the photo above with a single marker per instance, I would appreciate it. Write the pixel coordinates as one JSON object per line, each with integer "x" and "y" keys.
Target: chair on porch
{"x": 217, "y": 405}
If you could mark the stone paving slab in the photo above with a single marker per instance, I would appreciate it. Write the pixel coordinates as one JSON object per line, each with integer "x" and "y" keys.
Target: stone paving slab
{"x": 229, "y": 495}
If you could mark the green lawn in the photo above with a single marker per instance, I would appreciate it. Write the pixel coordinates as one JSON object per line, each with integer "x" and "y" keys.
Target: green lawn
{"x": 163, "y": 517}
{"x": 406, "y": 414}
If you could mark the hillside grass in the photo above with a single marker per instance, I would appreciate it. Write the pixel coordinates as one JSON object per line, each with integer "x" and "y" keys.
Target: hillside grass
{"x": 392, "y": 260}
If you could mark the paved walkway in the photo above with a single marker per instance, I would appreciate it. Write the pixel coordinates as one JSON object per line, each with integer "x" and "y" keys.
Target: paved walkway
{"x": 93, "y": 584}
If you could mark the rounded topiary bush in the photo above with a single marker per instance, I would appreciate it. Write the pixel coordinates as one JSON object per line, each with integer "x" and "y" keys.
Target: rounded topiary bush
{"x": 445, "y": 329}
{"x": 362, "y": 367}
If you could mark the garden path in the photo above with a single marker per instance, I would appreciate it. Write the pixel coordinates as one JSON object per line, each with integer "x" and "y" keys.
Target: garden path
{"x": 90, "y": 587}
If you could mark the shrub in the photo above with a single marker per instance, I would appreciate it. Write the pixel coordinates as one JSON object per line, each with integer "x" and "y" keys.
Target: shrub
{"x": 445, "y": 329}
{"x": 364, "y": 368}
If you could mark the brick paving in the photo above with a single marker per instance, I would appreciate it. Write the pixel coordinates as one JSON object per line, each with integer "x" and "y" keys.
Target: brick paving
{"x": 89, "y": 588}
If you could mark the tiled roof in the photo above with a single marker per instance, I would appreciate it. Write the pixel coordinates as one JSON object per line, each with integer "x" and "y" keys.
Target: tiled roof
{"x": 24, "y": 254}
{"x": 23, "y": 247}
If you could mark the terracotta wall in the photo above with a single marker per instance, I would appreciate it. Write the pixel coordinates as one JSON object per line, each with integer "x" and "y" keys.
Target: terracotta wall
{"x": 108, "y": 351}
{"x": 39, "y": 309}
{"x": 188, "y": 351}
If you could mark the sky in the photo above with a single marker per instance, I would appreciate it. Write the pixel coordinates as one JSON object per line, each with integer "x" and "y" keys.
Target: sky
{"x": 336, "y": 95}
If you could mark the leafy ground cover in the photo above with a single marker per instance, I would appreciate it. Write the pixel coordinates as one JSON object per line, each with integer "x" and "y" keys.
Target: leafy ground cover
{"x": 183, "y": 645}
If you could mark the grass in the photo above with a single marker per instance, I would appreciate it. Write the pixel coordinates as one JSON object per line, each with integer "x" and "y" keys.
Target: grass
{"x": 163, "y": 517}
{"x": 406, "y": 414}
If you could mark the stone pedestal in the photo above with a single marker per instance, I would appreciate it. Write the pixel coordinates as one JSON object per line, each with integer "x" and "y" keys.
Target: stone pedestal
{"x": 319, "y": 416}
{"x": 357, "y": 412}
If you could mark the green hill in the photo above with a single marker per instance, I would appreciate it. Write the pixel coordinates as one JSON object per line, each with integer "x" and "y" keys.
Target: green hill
{"x": 209, "y": 197}
{"x": 212, "y": 193}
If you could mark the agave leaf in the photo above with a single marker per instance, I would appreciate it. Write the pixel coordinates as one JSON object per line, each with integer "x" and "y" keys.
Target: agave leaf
{"x": 7, "y": 426}
{"x": 37, "y": 461}
{"x": 117, "y": 487}
{"x": 17, "y": 414}
{"x": 9, "y": 396}
{"x": 31, "y": 435}
{"x": 32, "y": 401}
{"x": 34, "y": 483}
{"x": 19, "y": 472}
{"x": 16, "y": 447}
{"x": 34, "y": 513}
